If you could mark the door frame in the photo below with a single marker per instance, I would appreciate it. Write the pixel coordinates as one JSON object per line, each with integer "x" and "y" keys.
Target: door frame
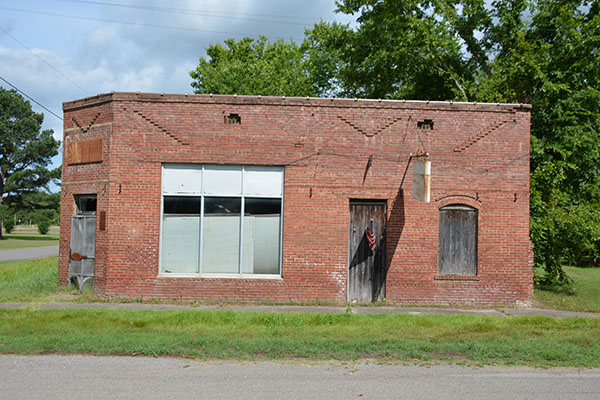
{"x": 352, "y": 201}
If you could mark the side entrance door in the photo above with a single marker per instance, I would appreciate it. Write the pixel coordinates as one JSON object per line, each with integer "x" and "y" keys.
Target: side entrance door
{"x": 366, "y": 274}
{"x": 83, "y": 249}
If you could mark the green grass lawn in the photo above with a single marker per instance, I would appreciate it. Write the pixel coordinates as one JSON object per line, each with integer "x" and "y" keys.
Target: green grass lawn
{"x": 471, "y": 339}
{"x": 535, "y": 341}
{"x": 581, "y": 295}
{"x": 28, "y": 280}
{"x": 26, "y": 240}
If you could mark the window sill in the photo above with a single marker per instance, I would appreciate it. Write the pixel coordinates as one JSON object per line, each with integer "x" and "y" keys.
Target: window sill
{"x": 207, "y": 276}
{"x": 456, "y": 278}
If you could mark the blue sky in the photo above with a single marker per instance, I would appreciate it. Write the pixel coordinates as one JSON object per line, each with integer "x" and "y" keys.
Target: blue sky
{"x": 62, "y": 50}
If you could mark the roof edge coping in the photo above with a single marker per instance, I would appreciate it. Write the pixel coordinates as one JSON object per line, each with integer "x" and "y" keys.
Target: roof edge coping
{"x": 269, "y": 100}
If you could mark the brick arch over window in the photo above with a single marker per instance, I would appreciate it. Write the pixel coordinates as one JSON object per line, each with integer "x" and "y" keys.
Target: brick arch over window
{"x": 457, "y": 243}
{"x": 458, "y": 199}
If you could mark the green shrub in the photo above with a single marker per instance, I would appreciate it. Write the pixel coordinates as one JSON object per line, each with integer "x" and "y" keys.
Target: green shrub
{"x": 43, "y": 226}
{"x": 9, "y": 224}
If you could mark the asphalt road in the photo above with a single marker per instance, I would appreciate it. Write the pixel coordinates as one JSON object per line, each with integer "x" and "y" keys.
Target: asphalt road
{"x": 29, "y": 253}
{"x": 58, "y": 377}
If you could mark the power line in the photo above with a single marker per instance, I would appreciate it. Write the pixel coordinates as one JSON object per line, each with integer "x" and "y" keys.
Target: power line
{"x": 232, "y": 15}
{"x": 133, "y": 23}
{"x": 44, "y": 61}
{"x": 31, "y": 98}
{"x": 208, "y": 13}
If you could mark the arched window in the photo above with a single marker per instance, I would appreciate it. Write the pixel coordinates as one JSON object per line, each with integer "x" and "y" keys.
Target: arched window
{"x": 457, "y": 245}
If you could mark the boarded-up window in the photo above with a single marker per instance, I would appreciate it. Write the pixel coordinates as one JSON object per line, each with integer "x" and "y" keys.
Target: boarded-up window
{"x": 457, "y": 252}
{"x": 85, "y": 151}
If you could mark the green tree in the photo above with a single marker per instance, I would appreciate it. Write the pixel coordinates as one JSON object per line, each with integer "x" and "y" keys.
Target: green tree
{"x": 25, "y": 150}
{"x": 253, "y": 67}
{"x": 543, "y": 52}
{"x": 553, "y": 62}
{"x": 409, "y": 49}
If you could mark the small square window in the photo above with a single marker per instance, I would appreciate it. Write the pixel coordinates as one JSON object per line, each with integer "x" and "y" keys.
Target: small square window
{"x": 233, "y": 119}
{"x": 426, "y": 124}
{"x": 85, "y": 203}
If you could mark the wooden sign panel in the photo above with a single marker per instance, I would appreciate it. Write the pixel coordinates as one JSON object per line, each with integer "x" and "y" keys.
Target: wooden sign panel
{"x": 85, "y": 151}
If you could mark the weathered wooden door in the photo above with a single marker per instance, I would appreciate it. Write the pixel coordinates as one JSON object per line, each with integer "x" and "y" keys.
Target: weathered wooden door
{"x": 366, "y": 275}
{"x": 83, "y": 249}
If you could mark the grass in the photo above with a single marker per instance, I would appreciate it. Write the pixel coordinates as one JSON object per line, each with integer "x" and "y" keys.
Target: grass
{"x": 27, "y": 240}
{"x": 28, "y": 280}
{"x": 583, "y": 294}
{"x": 534, "y": 341}
{"x": 471, "y": 339}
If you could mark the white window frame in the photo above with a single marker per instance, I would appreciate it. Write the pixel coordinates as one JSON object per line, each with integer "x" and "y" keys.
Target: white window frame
{"x": 242, "y": 196}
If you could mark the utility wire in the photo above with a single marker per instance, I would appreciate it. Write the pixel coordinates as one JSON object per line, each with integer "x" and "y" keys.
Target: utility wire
{"x": 232, "y": 15}
{"x": 132, "y": 23}
{"x": 188, "y": 11}
{"x": 44, "y": 61}
{"x": 370, "y": 45}
{"x": 31, "y": 98}
{"x": 387, "y": 43}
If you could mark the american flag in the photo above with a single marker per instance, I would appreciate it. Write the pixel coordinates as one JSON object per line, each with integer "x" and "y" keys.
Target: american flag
{"x": 371, "y": 237}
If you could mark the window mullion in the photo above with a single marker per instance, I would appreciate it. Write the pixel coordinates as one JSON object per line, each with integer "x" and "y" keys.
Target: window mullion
{"x": 201, "y": 245}
{"x": 242, "y": 211}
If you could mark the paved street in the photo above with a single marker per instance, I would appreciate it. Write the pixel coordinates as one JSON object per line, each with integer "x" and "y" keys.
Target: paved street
{"x": 58, "y": 377}
{"x": 28, "y": 254}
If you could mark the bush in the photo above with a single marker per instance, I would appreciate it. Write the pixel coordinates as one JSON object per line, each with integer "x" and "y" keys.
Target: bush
{"x": 9, "y": 224}
{"x": 43, "y": 226}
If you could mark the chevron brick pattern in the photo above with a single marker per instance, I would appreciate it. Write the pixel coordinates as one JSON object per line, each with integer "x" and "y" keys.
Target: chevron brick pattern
{"x": 87, "y": 128}
{"x": 370, "y": 133}
{"x": 481, "y": 135}
{"x": 160, "y": 128}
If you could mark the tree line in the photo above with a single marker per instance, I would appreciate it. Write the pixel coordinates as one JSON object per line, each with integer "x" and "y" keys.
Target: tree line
{"x": 541, "y": 52}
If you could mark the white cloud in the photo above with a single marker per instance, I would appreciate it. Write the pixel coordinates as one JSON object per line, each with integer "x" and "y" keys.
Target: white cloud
{"x": 102, "y": 56}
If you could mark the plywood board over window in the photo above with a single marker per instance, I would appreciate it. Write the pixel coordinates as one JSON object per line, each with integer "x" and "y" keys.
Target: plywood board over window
{"x": 457, "y": 252}
{"x": 85, "y": 151}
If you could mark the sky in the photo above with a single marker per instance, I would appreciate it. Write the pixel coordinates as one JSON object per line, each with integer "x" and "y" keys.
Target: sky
{"x": 63, "y": 50}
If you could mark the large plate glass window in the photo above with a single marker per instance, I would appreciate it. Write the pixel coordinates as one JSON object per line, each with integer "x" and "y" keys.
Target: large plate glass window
{"x": 221, "y": 219}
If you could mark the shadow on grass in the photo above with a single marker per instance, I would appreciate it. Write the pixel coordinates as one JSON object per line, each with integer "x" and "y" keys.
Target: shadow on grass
{"x": 32, "y": 237}
{"x": 563, "y": 289}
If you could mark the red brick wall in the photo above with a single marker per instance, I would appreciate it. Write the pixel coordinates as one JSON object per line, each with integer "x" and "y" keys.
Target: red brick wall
{"x": 479, "y": 155}
{"x": 84, "y": 122}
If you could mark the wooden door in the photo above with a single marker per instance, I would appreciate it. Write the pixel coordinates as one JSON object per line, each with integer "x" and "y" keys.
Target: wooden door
{"x": 366, "y": 274}
{"x": 83, "y": 249}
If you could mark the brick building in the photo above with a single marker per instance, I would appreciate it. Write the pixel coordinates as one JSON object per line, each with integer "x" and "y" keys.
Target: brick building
{"x": 296, "y": 199}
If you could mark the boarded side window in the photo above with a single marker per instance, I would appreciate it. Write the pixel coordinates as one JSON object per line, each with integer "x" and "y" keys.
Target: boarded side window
{"x": 457, "y": 251}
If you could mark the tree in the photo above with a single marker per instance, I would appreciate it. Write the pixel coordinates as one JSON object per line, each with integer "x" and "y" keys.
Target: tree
{"x": 25, "y": 150}
{"x": 543, "y": 52}
{"x": 253, "y": 67}
{"x": 553, "y": 62}
{"x": 409, "y": 49}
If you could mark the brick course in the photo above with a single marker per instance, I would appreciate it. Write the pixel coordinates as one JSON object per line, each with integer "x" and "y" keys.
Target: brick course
{"x": 479, "y": 155}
